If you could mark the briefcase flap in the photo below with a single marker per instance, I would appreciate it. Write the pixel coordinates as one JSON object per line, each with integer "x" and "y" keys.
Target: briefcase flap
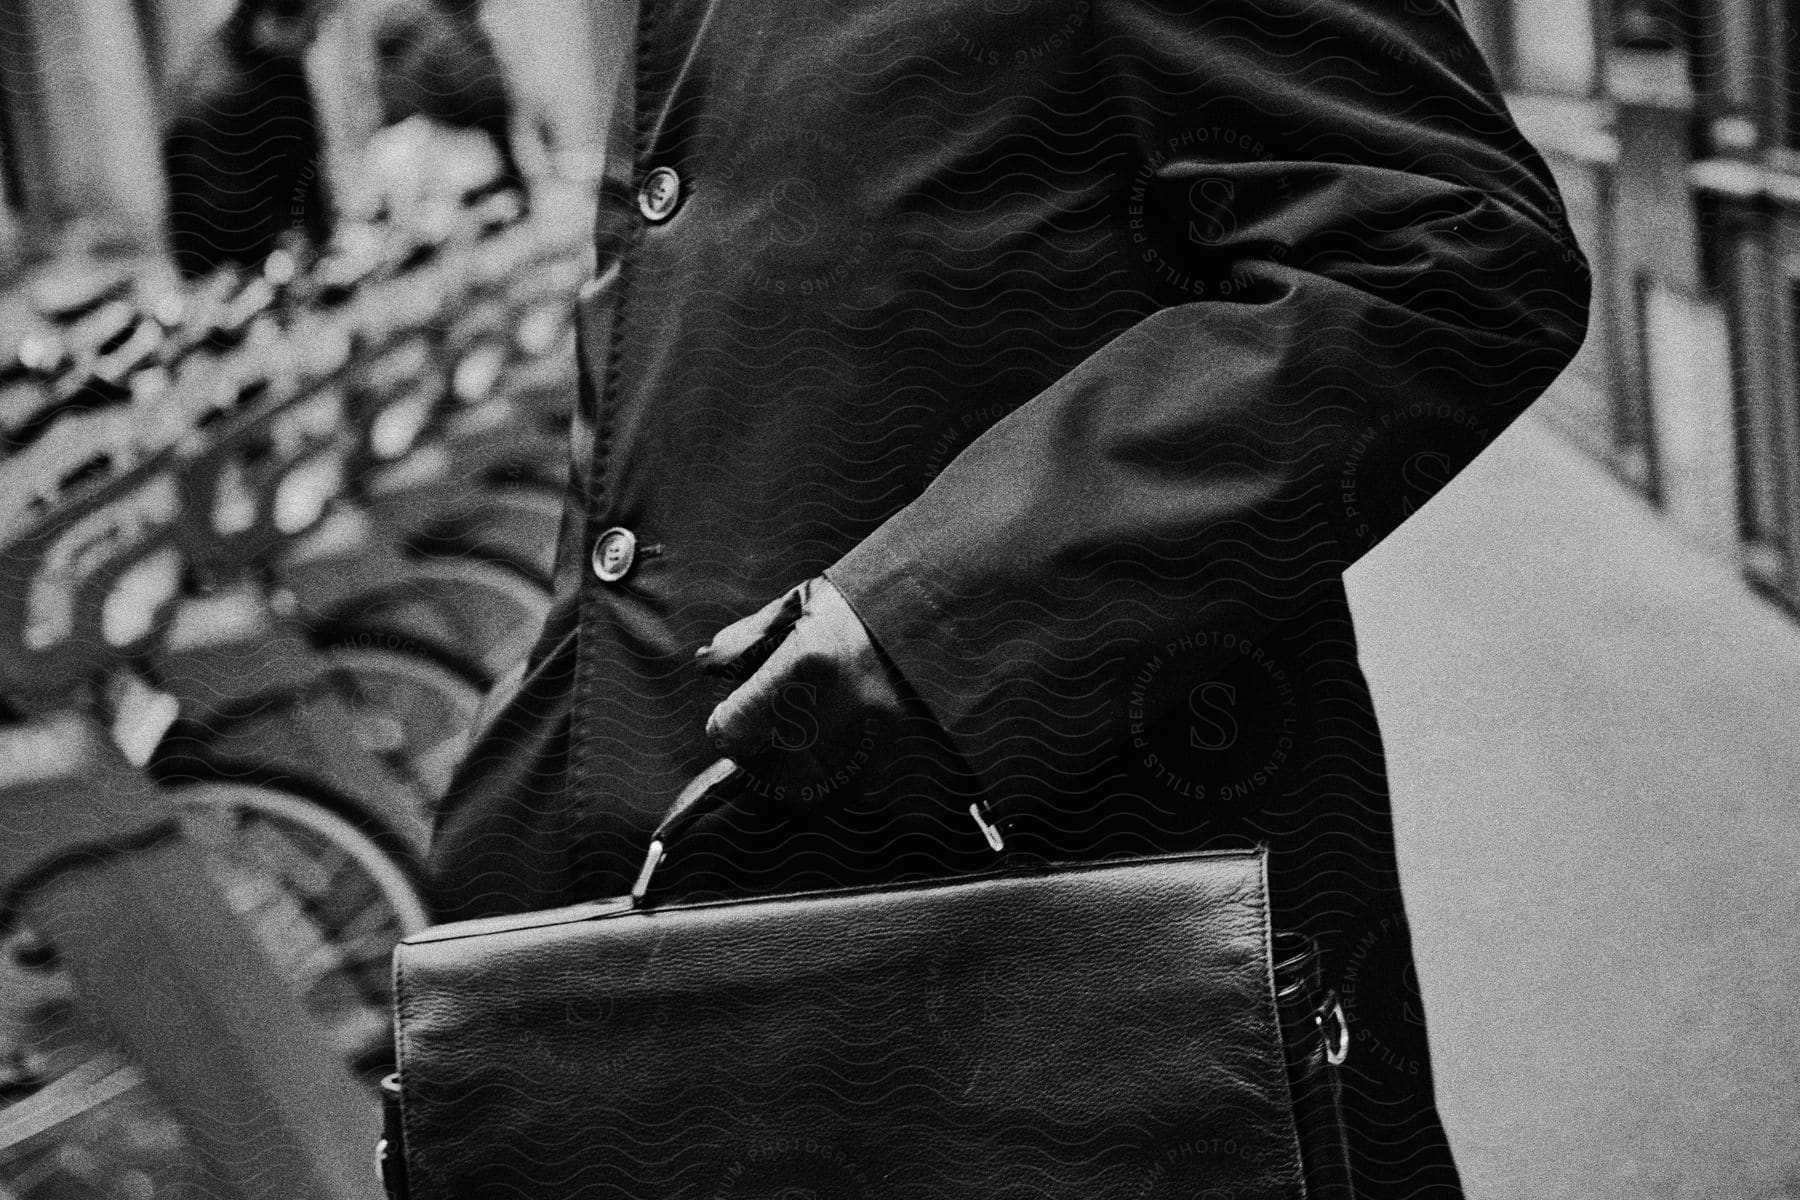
{"x": 1078, "y": 1032}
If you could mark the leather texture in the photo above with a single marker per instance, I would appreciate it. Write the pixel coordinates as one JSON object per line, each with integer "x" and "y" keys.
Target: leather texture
{"x": 1092, "y": 1032}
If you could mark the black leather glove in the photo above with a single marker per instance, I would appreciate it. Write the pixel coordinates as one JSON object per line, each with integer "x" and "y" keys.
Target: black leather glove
{"x": 816, "y": 695}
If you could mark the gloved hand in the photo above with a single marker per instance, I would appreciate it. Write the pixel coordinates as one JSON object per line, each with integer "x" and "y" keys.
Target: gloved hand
{"x": 815, "y": 699}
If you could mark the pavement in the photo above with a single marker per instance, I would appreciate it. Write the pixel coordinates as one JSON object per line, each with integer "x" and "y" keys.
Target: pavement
{"x": 1592, "y": 740}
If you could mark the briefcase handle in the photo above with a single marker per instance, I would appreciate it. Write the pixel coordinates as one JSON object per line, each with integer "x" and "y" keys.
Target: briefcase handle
{"x": 715, "y": 787}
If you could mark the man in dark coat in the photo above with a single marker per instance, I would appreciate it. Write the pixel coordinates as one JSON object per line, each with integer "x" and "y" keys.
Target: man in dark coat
{"x": 993, "y": 396}
{"x": 242, "y": 146}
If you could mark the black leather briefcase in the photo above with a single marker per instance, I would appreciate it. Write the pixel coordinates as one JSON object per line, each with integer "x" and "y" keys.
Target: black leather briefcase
{"x": 1129, "y": 1029}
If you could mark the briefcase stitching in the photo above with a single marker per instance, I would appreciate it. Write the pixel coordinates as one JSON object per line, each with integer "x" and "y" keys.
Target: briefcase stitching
{"x": 408, "y": 1136}
{"x": 1272, "y": 1014}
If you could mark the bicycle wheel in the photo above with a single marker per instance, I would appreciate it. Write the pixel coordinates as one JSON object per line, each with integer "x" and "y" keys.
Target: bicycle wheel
{"x": 413, "y": 712}
{"x": 323, "y": 899}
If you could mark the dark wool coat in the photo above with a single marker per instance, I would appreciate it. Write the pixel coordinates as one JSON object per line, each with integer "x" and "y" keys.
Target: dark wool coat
{"x": 1083, "y": 344}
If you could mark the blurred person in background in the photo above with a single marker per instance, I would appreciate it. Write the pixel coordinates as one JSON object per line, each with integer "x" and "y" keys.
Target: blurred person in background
{"x": 437, "y": 62}
{"x": 242, "y": 146}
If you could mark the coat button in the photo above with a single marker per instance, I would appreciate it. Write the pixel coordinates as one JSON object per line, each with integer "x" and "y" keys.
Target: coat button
{"x": 660, "y": 194}
{"x": 614, "y": 552}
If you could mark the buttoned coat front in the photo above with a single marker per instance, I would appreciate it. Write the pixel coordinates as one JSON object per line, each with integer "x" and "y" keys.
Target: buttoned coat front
{"x": 1083, "y": 344}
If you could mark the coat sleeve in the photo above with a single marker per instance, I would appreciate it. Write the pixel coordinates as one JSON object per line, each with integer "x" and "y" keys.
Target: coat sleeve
{"x": 1362, "y": 274}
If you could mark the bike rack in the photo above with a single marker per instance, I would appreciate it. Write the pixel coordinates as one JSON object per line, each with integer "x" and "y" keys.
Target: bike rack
{"x": 136, "y": 500}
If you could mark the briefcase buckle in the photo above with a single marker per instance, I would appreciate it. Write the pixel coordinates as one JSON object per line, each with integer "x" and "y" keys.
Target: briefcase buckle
{"x": 989, "y": 830}
{"x": 652, "y": 860}
{"x": 1334, "y": 1026}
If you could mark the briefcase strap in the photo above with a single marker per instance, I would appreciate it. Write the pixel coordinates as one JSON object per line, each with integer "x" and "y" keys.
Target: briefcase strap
{"x": 716, "y": 787}
{"x": 710, "y": 789}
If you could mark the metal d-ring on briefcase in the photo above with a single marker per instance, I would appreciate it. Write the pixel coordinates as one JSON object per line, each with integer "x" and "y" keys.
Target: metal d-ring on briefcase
{"x": 1126, "y": 1029}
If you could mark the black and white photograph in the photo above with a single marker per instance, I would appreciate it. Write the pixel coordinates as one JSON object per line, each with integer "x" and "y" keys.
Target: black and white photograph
{"x": 899, "y": 600}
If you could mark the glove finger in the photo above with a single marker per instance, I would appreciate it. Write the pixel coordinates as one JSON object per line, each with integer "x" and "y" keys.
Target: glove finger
{"x": 745, "y": 644}
{"x": 742, "y": 725}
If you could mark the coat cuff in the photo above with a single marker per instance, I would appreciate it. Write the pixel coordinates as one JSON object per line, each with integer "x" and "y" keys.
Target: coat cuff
{"x": 880, "y": 578}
